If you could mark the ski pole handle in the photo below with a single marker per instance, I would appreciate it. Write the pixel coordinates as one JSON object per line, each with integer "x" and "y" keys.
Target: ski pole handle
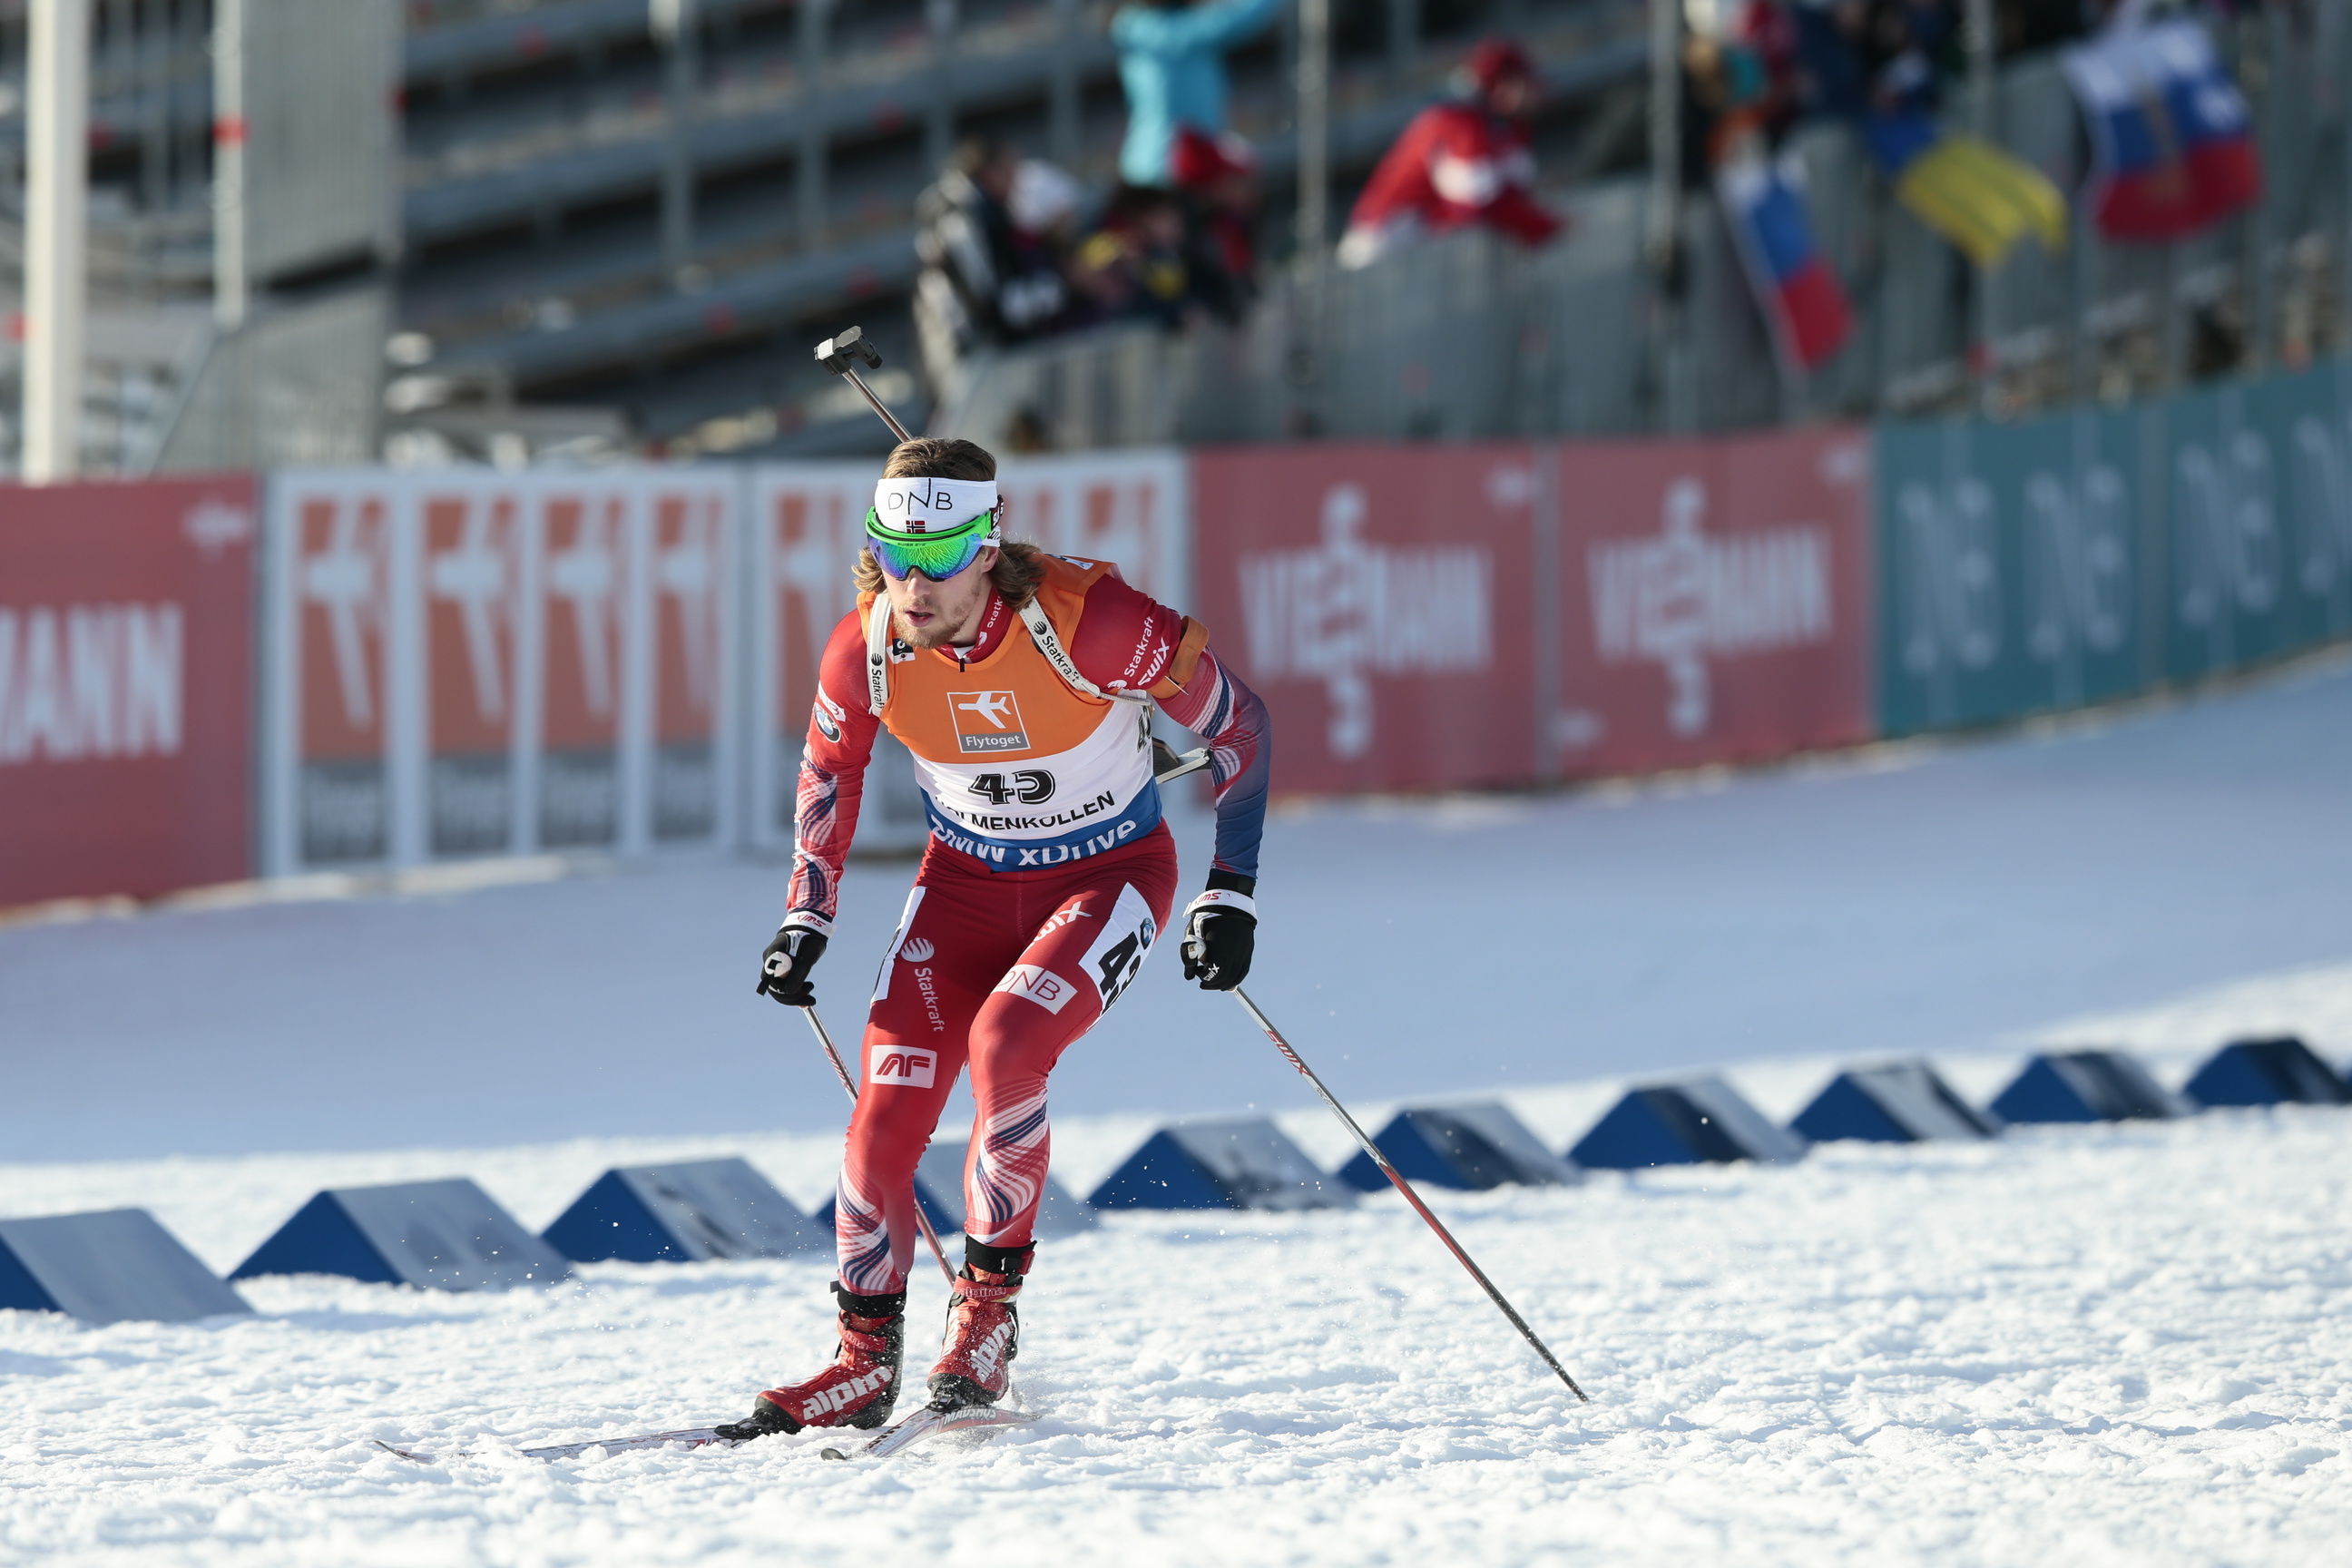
{"x": 850, "y": 1087}
{"x": 1444, "y": 1234}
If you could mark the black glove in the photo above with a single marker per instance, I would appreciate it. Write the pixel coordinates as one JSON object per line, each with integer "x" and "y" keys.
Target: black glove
{"x": 784, "y": 966}
{"x": 1220, "y": 932}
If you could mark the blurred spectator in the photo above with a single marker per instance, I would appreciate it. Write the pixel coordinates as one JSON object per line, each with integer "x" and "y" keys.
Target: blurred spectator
{"x": 1218, "y": 176}
{"x": 1457, "y": 164}
{"x": 1045, "y": 202}
{"x": 1171, "y": 61}
{"x": 1147, "y": 262}
{"x": 985, "y": 279}
{"x": 1727, "y": 99}
{"x": 2023, "y": 24}
{"x": 1832, "y": 77}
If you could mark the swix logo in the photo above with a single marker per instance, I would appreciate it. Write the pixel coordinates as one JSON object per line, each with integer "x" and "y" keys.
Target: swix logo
{"x": 1068, "y": 914}
{"x": 987, "y": 721}
{"x": 1039, "y": 984}
{"x": 1152, "y": 646}
{"x": 916, "y": 950}
{"x": 825, "y": 1401}
{"x": 900, "y": 1066}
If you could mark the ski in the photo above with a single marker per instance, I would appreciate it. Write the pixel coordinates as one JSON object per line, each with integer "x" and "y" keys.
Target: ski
{"x": 933, "y": 1421}
{"x": 896, "y": 1438}
{"x": 401, "y": 1453}
{"x": 691, "y": 1438}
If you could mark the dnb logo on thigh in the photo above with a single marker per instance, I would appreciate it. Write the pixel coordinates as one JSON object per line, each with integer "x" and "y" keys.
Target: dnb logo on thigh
{"x": 900, "y": 1066}
{"x": 1119, "y": 951}
{"x": 1039, "y": 984}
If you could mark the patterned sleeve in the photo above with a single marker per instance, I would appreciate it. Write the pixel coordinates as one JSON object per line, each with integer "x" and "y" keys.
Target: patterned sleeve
{"x": 1129, "y": 640}
{"x": 833, "y": 778}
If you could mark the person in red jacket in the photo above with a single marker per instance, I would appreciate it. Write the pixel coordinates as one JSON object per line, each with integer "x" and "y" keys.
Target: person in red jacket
{"x": 1024, "y": 684}
{"x": 1456, "y": 164}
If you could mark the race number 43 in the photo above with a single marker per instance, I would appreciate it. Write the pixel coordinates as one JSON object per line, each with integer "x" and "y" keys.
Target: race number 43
{"x": 1119, "y": 951}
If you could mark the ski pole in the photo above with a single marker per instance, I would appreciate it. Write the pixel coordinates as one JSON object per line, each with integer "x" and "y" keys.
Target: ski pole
{"x": 1444, "y": 1234}
{"x": 840, "y": 353}
{"x": 850, "y": 1087}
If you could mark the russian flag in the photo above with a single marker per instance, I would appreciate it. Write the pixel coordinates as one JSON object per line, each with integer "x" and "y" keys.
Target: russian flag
{"x": 1802, "y": 301}
{"x": 2173, "y": 147}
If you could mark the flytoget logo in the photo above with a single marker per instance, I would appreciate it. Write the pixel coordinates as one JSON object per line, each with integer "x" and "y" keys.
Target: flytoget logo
{"x": 987, "y": 721}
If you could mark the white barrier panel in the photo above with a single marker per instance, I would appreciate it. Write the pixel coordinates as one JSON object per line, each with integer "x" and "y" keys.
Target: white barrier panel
{"x": 464, "y": 663}
{"x": 808, "y": 523}
{"x": 461, "y": 663}
{"x": 807, "y": 526}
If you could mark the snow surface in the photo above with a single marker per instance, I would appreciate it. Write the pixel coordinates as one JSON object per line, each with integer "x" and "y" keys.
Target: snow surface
{"x": 2123, "y": 1344}
{"x": 2116, "y": 1344}
{"x": 1944, "y": 897}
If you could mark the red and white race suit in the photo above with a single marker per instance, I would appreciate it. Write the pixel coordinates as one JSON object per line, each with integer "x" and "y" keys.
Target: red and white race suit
{"x": 1048, "y": 878}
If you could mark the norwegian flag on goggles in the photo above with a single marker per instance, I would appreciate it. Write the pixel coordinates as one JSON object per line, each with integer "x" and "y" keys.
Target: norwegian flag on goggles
{"x": 932, "y": 526}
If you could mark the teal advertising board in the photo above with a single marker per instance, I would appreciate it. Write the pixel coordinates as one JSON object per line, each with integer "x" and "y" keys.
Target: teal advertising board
{"x": 2051, "y": 563}
{"x": 2257, "y": 516}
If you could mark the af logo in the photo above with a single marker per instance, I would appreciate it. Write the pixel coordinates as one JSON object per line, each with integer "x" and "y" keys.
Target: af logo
{"x": 900, "y": 1066}
{"x": 987, "y": 721}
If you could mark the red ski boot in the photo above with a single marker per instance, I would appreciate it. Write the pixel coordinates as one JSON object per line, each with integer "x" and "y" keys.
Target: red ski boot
{"x": 975, "y": 1365}
{"x": 856, "y": 1389}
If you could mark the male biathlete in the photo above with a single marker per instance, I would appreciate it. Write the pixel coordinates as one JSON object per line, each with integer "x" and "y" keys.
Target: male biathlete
{"x": 1023, "y": 684}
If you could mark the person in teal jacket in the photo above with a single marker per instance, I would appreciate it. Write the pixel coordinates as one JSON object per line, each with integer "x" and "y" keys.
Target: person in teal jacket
{"x": 1172, "y": 60}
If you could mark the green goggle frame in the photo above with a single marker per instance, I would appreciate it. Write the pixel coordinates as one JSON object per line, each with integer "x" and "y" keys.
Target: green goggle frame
{"x": 936, "y": 553}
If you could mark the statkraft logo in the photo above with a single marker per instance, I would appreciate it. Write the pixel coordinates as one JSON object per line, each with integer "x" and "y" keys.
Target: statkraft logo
{"x": 914, "y": 950}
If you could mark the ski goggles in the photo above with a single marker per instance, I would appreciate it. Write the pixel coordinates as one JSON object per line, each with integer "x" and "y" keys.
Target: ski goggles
{"x": 934, "y": 527}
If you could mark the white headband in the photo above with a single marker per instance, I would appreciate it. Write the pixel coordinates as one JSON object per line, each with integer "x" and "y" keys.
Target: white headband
{"x": 932, "y": 506}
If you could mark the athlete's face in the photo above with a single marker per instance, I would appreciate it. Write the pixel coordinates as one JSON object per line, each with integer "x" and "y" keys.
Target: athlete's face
{"x": 935, "y": 615}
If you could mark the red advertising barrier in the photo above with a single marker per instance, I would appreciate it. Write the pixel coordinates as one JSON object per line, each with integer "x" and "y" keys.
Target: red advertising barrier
{"x": 126, "y": 677}
{"x": 1438, "y": 617}
{"x": 1380, "y": 599}
{"x": 1714, "y": 600}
